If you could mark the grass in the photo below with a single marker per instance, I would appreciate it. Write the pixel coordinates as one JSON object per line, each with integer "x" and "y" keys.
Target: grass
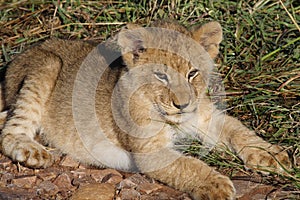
{"x": 259, "y": 60}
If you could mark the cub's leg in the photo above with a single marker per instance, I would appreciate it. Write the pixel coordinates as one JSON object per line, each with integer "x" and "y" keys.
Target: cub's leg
{"x": 256, "y": 153}
{"x": 24, "y": 118}
{"x": 192, "y": 176}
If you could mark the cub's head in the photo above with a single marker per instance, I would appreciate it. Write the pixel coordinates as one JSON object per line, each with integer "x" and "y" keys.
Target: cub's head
{"x": 168, "y": 68}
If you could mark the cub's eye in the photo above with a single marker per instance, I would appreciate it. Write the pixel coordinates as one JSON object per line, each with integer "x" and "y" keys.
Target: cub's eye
{"x": 161, "y": 76}
{"x": 193, "y": 73}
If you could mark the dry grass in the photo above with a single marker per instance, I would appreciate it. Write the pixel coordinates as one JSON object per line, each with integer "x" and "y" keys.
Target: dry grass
{"x": 259, "y": 60}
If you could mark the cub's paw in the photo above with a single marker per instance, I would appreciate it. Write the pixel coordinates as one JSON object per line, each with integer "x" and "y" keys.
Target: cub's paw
{"x": 26, "y": 151}
{"x": 214, "y": 187}
{"x": 272, "y": 159}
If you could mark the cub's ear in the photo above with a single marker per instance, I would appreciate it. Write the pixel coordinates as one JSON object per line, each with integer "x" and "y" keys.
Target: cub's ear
{"x": 209, "y": 36}
{"x": 130, "y": 39}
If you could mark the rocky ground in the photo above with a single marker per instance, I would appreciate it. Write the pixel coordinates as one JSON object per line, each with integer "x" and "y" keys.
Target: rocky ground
{"x": 67, "y": 179}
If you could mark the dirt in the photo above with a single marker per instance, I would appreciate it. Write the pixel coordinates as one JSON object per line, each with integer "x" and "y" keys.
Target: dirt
{"x": 67, "y": 179}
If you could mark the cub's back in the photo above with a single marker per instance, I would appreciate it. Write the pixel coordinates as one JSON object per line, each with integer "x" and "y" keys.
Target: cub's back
{"x": 70, "y": 54}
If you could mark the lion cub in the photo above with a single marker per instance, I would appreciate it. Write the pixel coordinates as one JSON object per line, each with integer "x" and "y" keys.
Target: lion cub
{"x": 125, "y": 103}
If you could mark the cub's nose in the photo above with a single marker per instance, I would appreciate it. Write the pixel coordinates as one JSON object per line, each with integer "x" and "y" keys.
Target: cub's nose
{"x": 180, "y": 106}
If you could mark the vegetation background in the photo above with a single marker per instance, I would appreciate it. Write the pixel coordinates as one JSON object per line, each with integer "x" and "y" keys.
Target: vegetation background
{"x": 259, "y": 59}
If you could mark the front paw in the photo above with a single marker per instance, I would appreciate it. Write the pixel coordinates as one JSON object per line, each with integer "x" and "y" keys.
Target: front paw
{"x": 214, "y": 187}
{"x": 27, "y": 152}
{"x": 265, "y": 160}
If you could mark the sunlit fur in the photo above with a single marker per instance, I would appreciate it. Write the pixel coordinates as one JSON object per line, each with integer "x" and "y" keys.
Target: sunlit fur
{"x": 170, "y": 103}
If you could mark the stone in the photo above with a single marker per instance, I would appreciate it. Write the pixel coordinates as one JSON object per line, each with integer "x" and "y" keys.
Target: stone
{"x": 47, "y": 187}
{"x": 138, "y": 179}
{"x": 63, "y": 182}
{"x": 126, "y": 183}
{"x": 69, "y": 162}
{"x": 114, "y": 179}
{"x": 47, "y": 176}
{"x": 5, "y": 162}
{"x": 103, "y": 175}
{"x": 97, "y": 191}
{"x": 24, "y": 182}
{"x": 147, "y": 188}
{"x": 129, "y": 194}
{"x": 80, "y": 172}
{"x": 132, "y": 181}
{"x": 6, "y": 178}
{"x": 16, "y": 194}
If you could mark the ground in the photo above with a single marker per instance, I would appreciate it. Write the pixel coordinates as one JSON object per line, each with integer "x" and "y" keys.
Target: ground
{"x": 258, "y": 63}
{"x": 68, "y": 179}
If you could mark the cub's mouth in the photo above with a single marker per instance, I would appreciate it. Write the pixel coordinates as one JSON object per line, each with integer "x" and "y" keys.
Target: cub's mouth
{"x": 177, "y": 116}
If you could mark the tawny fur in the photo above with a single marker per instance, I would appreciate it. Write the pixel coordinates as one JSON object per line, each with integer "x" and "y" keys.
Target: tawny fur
{"x": 39, "y": 87}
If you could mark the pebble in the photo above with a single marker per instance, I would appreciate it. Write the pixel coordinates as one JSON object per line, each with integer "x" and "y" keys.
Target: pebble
{"x": 97, "y": 191}
{"x": 69, "y": 162}
{"x": 105, "y": 174}
{"x": 24, "y": 182}
{"x": 47, "y": 187}
{"x": 129, "y": 194}
{"x": 147, "y": 188}
{"x": 47, "y": 176}
{"x": 5, "y": 162}
{"x": 63, "y": 182}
